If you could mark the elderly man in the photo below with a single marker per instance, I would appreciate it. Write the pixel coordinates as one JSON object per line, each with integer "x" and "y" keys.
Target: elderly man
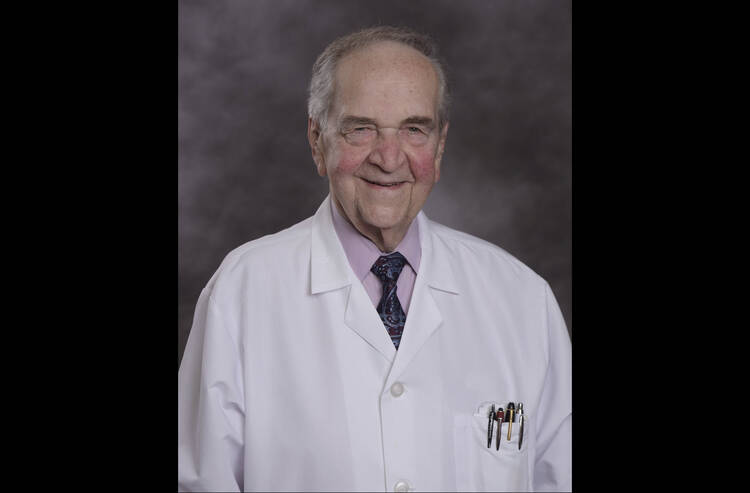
{"x": 368, "y": 348}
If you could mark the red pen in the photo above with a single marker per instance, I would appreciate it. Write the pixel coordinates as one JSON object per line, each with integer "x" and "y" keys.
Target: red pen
{"x": 499, "y": 417}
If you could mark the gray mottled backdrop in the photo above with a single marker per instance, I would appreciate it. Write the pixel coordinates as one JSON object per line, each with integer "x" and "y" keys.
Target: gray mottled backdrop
{"x": 244, "y": 165}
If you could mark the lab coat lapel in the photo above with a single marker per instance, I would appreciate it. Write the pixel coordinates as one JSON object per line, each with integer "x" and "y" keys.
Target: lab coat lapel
{"x": 330, "y": 270}
{"x": 424, "y": 317}
{"x": 362, "y": 317}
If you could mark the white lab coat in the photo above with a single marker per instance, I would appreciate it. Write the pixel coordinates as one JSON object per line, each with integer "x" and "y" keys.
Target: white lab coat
{"x": 287, "y": 380}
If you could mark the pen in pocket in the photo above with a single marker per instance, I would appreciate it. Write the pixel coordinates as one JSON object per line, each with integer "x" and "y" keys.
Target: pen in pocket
{"x": 511, "y": 408}
{"x": 499, "y": 417}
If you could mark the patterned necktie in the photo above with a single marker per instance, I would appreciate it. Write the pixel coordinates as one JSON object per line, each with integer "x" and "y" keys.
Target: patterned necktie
{"x": 388, "y": 268}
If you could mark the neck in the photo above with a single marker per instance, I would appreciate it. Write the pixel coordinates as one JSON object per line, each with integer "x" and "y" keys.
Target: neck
{"x": 385, "y": 239}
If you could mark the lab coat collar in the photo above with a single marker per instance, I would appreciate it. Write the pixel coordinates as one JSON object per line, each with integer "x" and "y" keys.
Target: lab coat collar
{"x": 436, "y": 258}
{"x": 329, "y": 267}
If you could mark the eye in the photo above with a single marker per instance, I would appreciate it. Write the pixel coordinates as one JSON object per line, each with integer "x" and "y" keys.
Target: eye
{"x": 359, "y": 130}
{"x": 414, "y": 135}
{"x": 359, "y": 135}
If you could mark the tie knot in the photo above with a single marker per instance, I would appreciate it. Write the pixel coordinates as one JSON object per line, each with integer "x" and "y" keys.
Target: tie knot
{"x": 388, "y": 267}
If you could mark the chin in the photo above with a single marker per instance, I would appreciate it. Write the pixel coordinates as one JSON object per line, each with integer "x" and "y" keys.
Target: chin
{"x": 385, "y": 217}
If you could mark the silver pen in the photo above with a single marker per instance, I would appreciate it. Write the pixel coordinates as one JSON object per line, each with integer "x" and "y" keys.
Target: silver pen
{"x": 523, "y": 420}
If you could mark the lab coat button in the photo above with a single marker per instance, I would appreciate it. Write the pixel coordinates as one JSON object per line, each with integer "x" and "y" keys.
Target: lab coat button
{"x": 401, "y": 486}
{"x": 396, "y": 390}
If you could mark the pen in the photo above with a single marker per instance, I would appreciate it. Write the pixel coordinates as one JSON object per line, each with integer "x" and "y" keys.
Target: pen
{"x": 523, "y": 419}
{"x": 511, "y": 407}
{"x": 499, "y": 417}
{"x": 491, "y": 417}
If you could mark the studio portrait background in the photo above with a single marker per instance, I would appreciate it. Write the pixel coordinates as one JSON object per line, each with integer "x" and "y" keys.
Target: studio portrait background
{"x": 244, "y": 164}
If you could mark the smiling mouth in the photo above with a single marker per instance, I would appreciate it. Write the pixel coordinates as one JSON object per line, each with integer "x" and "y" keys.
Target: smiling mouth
{"x": 384, "y": 185}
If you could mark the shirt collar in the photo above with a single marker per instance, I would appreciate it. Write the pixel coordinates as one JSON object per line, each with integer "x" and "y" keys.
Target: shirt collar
{"x": 362, "y": 252}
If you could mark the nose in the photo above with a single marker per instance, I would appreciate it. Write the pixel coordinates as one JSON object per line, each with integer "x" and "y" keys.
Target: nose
{"x": 387, "y": 152}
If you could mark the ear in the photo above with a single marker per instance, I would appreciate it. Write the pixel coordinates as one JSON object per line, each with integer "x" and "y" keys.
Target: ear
{"x": 314, "y": 137}
{"x": 440, "y": 149}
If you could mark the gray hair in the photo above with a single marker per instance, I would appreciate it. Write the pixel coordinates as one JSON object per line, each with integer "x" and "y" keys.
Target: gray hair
{"x": 324, "y": 69}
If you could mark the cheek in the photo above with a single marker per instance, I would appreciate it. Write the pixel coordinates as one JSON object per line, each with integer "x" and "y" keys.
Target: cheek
{"x": 423, "y": 166}
{"x": 346, "y": 162}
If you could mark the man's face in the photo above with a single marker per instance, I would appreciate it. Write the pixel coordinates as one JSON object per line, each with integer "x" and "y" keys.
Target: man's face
{"x": 381, "y": 148}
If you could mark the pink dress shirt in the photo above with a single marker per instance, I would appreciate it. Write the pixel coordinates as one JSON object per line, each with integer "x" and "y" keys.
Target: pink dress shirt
{"x": 362, "y": 253}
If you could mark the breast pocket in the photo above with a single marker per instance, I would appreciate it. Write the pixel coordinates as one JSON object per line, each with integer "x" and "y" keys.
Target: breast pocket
{"x": 479, "y": 468}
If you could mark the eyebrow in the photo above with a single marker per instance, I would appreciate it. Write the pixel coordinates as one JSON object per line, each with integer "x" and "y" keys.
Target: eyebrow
{"x": 420, "y": 120}
{"x": 351, "y": 120}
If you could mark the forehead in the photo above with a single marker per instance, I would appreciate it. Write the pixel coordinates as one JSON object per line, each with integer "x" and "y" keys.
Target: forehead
{"x": 385, "y": 81}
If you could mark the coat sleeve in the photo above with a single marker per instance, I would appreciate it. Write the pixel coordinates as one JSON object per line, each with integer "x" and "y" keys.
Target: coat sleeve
{"x": 552, "y": 471}
{"x": 210, "y": 419}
